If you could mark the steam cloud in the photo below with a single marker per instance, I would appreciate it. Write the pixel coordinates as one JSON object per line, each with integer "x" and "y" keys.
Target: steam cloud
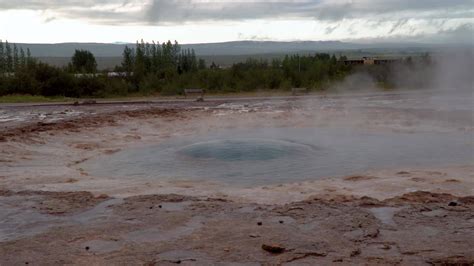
{"x": 448, "y": 71}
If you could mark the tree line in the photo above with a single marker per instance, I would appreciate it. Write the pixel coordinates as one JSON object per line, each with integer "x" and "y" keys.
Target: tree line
{"x": 167, "y": 69}
{"x": 12, "y": 58}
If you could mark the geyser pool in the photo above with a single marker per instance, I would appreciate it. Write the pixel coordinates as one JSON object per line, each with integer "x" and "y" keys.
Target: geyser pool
{"x": 279, "y": 155}
{"x": 228, "y": 150}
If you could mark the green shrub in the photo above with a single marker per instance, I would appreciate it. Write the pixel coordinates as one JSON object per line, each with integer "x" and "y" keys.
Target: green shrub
{"x": 115, "y": 87}
{"x": 150, "y": 84}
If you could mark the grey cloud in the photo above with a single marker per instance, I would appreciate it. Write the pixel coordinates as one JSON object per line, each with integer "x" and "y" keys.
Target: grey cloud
{"x": 51, "y": 4}
{"x": 333, "y": 12}
{"x": 177, "y": 11}
{"x": 461, "y": 35}
{"x": 187, "y": 10}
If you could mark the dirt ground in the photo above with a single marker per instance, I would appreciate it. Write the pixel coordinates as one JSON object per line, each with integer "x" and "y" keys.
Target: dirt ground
{"x": 53, "y": 212}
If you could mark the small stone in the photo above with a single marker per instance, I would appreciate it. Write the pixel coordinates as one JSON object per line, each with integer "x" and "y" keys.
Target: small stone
{"x": 453, "y": 203}
{"x": 87, "y": 247}
{"x": 281, "y": 222}
{"x": 151, "y": 207}
{"x": 254, "y": 235}
{"x": 159, "y": 206}
{"x": 355, "y": 253}
{"x": 259, "y": 223}
{"x": 273, "y": 248}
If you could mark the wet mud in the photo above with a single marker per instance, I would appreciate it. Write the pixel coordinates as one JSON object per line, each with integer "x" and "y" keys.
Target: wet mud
{"x": 414, "y": 228}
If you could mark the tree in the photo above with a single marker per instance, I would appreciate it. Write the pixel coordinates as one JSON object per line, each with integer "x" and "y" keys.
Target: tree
{"x": 139, "y": 69}
{"x": 9, "y": 57}
{"x": 2, "y": 58}
{"x": 202, "y": 64}
{"x": 16, "y": 58}
{"x": 83, "y": 61}
{"x": 29, "y": 59}
{"x": 127, "y": 61}
{"x": 22, "y": 59}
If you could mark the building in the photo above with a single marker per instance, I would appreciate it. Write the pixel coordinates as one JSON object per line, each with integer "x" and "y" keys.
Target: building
{"x": 369, "y": 61}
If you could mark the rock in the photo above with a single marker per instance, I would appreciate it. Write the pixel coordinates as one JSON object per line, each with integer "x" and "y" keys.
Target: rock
{"x": 259, "y": 223}
{"x": 254, "y": 235}
{"x": 273, "y": 248}
{"x": 453, "y": 203}
{"x": 355, "y": 252}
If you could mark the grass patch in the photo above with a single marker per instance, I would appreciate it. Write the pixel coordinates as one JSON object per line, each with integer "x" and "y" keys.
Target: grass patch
{"x": 21, "y": 98}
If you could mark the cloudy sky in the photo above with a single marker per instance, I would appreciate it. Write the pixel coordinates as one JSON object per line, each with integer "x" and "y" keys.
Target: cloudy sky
{"x": 196, "y": 21}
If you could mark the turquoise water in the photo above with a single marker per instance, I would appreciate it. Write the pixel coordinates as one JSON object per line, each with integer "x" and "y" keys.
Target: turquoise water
{"x": 232, "y": 150}
{"x": 281, "y": 155}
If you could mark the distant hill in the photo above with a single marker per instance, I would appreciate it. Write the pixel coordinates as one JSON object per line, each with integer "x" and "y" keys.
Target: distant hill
{"x": 215, "y": 49}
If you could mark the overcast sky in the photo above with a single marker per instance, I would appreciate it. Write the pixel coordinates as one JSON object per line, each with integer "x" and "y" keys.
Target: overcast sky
{"x": 197, "y": 21}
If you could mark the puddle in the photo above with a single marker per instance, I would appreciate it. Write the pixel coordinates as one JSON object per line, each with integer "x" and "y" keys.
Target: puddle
{"x": 101, "y": 211}
{"x": 160, "y": 235}
{"x": 18, "y": 222}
